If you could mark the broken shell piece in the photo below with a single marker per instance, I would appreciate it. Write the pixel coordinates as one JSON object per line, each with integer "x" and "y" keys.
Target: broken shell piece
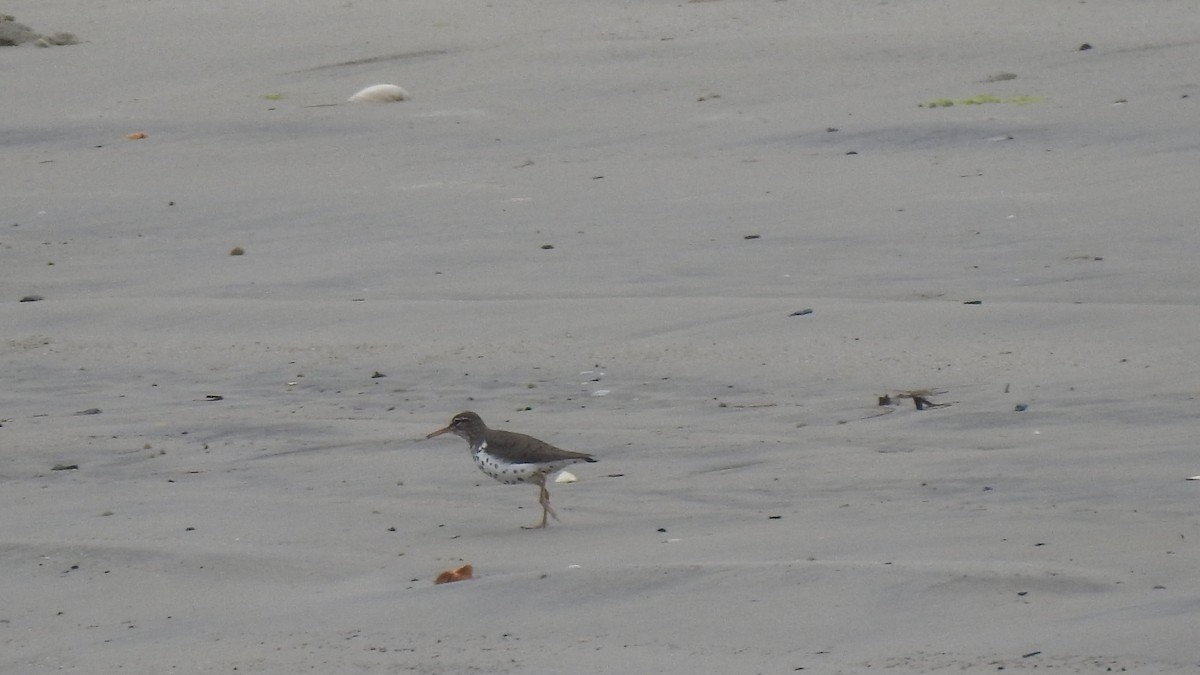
{"x": 137, "y": 135}
{"x": 1194, "y": 478}
{"x": 461, "y": 574}
{"x": 565, "y": 477}
{"x": 380, "y": 93}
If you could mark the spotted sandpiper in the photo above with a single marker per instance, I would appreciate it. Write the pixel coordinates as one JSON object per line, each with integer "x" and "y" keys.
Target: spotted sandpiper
{"x": 512, "y": 458}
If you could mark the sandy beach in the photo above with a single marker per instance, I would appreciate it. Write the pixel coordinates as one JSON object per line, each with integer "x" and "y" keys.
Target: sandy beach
{"x": 721, "y": 245}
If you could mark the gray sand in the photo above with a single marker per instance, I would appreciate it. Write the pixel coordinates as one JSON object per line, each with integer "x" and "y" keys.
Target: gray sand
{"x": 592, "y": 223}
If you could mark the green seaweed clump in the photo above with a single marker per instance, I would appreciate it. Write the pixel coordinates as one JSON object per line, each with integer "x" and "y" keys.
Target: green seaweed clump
{"x": 980, "y": 99}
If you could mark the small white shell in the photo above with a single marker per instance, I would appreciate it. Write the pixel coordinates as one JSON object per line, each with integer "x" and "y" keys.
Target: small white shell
{"x": 1194, "y": 478}
{"x": 380, "y": 93}
{"x": 565, "y": 477}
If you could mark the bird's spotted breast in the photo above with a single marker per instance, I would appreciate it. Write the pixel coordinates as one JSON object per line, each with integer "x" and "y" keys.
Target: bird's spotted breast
{"x": 510, "y": 473}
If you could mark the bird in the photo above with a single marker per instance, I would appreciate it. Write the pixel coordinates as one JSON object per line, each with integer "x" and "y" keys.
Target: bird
{"x": 512, "y": 458}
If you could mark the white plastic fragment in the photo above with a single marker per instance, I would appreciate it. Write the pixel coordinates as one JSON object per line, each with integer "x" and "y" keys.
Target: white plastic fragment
{"x": 380, "y": 93}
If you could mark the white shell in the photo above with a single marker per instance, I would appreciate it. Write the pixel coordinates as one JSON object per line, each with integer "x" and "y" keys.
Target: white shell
{"x": 1194, "y": 478}
{"x": 565, "y": 477}
{"x": 380, "y": 93}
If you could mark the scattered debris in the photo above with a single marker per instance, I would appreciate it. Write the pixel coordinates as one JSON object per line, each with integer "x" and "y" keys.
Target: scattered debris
{"x": 722, "y": 404}
{"x": 136, "y": 136}
{"x": 214, "y": 397}
{"x": 565, "y": 477}
{"x": 65, "y": 467}
{"x": 14, "y": 33}
{"x": 1084, "y": 47}
{"x": 920, "y": 398}
{"x": 801, "y": 312}
{"x": 1020, "y": 407}
{"x": 31, "y": 298}
{"x": 89, "y": 411}
{"x": 237, "y": 250}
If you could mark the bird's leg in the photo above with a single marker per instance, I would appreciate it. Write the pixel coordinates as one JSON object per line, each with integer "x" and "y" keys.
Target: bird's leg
{"x": 544, "y": 500}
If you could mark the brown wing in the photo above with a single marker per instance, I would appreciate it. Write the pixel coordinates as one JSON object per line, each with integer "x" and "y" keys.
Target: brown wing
{"x": 529, "y": 450}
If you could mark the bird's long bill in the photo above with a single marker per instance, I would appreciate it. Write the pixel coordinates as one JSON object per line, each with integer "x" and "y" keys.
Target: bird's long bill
{"x": 439, "y": 432}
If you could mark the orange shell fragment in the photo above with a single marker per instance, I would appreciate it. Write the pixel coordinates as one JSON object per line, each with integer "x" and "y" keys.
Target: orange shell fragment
{"x": 461, "y": 574}
{"x": 136, "y": 135}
